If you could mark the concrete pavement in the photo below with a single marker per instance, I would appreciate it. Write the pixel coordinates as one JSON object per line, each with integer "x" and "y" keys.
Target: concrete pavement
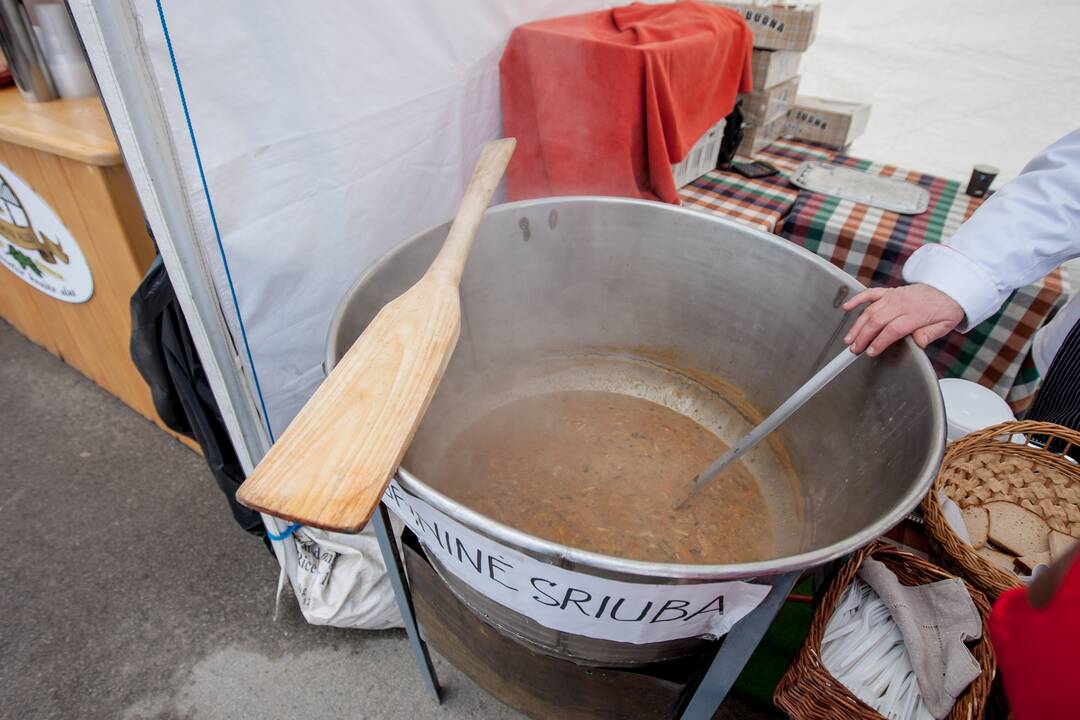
{"x": 126, "y": 591}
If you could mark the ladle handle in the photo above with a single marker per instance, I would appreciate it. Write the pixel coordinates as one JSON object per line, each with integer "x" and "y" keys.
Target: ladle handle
{"x": 787, "y": 408}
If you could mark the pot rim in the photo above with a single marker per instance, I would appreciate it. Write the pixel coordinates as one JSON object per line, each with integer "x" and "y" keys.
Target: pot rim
{"x": 563, "y": 555}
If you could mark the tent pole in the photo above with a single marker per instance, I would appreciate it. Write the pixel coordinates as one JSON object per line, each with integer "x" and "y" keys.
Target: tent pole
{"x": 109, "y": 33}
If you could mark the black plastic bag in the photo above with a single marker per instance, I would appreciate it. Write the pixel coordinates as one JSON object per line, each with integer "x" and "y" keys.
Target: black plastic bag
{"x": 166, "y": 357}
{"x": 733, "y": 135}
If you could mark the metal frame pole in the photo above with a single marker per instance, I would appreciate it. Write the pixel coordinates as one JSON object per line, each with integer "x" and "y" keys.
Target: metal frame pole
{"x": 738, "y": 646}
{"x": 380, "y": 521}
{"x": 110, "y": 33}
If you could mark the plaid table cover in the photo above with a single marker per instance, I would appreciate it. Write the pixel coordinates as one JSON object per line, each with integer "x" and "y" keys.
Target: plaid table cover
{"x": 873, "y": 244}
{"x": 786, "y": 154}
{"x": 761, "y": 203}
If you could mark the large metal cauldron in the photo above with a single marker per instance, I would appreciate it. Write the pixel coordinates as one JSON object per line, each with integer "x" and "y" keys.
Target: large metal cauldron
{"x": 672, "y": 304}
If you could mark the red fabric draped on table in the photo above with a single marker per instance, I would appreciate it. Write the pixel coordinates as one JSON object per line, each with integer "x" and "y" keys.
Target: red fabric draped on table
{"x": 604, "y": 103}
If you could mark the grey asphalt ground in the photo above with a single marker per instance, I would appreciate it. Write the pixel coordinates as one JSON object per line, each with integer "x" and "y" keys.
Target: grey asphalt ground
{"x": 126, "y": 591}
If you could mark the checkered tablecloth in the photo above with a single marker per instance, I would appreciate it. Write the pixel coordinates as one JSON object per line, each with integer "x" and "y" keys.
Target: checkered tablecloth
{"x": 762, "y": 203}
{"x": 786, "y": 154}
{"x": 873, "y": 244}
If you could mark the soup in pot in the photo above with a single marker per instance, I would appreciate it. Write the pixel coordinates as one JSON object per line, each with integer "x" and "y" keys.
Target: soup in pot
{"x": 599, "y": 471}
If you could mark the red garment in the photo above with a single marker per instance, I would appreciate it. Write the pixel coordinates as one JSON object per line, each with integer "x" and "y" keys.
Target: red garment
{"x": 604, "y": 103}
{"x": 1038, "y": 651}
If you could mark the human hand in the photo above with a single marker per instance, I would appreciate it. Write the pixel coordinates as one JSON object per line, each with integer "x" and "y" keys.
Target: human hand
{"x": 922, "y": 311}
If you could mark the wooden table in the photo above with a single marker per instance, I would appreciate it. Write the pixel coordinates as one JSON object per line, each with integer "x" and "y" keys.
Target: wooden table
{"x": 66, "y": 153}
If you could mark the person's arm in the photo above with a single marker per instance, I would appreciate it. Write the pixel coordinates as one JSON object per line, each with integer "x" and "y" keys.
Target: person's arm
{"x": 1019, "y": 235}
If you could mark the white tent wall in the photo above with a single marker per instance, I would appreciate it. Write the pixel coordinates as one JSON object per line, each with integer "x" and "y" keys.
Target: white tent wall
{"x": 952, "y": 83}
{"x": 326, "y": 136}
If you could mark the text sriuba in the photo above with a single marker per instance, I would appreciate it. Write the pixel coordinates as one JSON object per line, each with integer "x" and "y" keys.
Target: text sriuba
{"x": 545, "y": 591}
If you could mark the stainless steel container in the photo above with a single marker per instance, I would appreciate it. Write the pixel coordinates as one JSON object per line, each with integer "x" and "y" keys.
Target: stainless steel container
{"x": 631, "y": 277}
{"x": 24, "y": 54}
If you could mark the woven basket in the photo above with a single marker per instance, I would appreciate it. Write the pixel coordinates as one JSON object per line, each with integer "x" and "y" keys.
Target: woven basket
{"x": 947, "y": 546}
{"x": 809, "y": 692}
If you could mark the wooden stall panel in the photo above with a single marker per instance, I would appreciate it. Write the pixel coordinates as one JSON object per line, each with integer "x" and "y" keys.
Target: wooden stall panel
{"x": 99, "y": 207}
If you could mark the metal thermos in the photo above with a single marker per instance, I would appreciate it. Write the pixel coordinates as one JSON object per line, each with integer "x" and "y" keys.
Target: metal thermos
{"x": 24, "y": 55}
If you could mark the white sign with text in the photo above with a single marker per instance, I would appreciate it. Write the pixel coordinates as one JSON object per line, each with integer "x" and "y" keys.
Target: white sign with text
{"x": 571, "y": 601}
{"x": 37, "y": 247}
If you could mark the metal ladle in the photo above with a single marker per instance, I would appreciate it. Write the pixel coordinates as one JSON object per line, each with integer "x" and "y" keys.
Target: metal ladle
{"x": 787, "y": 408}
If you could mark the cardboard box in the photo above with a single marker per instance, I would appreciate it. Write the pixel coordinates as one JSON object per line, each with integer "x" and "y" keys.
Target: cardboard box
{"x": 772, "y": 67}
{"x": 756, "y": 137}
{"x": 780, "y": 26}
{"x": 832, "y": 122}
{"x": 763, "y": 106}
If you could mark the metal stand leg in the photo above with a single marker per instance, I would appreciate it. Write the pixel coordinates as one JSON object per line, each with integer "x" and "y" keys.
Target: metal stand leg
{"x": 394, "y": 568}
{"x": 738, "y": 646}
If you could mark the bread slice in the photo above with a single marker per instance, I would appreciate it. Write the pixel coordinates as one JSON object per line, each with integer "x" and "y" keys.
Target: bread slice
{"x": 1028, "y": 563}
{"x": 998, "y": 559}
{"x": 1017, "y": 530}
{"x": 977, "y": 522}
{"x": 1060, "y": 543}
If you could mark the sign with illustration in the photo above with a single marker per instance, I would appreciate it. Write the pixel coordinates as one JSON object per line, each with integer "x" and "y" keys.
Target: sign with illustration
{"x": 35, "y": 245}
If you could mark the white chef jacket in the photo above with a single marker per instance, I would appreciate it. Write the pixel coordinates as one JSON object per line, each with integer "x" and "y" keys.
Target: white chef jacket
{"x": 1020, "y": 234}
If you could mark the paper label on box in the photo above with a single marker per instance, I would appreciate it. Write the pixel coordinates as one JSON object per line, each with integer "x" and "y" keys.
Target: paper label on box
{"x": 571, "y": 601}
{"x": 779, "y": 26}
{"x": 809, "y": 119}
{"x": 831, "y": 122}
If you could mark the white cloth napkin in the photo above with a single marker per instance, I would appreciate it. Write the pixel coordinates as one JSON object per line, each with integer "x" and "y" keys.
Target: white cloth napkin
{"x": 934, "y": 620}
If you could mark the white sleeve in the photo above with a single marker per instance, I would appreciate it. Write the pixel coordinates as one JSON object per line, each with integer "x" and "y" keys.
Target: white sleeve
{"x": 1020, "y": 234}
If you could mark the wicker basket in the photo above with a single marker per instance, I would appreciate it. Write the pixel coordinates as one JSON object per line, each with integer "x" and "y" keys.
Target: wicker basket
{"x": 809, "y": 692}
{"x": 949, "y": 549}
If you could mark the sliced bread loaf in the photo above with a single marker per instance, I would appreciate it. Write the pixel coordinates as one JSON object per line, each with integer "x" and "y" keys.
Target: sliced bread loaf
{"x": 1016, "y": 529}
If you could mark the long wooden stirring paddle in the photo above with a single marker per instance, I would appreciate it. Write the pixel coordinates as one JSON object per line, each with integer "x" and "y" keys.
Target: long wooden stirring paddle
{"x": 331, "y": 466}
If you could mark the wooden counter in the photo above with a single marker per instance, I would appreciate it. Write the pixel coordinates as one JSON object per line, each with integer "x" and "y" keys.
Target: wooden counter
{"x": 72, "y": 129}
{"x": 65, "y": 151}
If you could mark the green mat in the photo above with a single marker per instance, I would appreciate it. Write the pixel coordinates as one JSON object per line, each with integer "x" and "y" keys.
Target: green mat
{"x": 777, "y": 649}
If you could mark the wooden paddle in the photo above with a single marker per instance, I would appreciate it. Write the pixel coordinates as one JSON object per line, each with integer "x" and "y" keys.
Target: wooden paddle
{"x": 331, "y": 466}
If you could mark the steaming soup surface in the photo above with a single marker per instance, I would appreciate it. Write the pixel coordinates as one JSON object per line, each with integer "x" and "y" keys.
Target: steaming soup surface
{"x": 598, "y": 471}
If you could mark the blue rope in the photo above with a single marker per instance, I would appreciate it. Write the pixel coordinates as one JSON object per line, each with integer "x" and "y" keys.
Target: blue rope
{"x": 213, "y": 219}
{"x": 285, "y": 534}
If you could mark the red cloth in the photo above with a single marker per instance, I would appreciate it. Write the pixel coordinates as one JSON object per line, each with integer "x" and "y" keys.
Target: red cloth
{"x": 604, "y": 103}
{"x": 1038, "y": 651}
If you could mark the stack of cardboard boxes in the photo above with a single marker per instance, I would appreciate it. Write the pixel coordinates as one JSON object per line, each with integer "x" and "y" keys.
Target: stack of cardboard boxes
{"x": 782, "y": 32}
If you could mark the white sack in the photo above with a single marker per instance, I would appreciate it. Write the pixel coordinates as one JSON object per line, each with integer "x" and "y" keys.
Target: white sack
{"x": 341, "y": 581}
